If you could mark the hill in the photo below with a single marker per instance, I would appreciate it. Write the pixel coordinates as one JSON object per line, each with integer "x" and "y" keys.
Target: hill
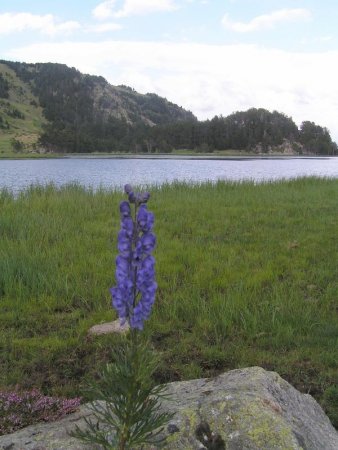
{"x": 52, "y": 107}
{"x": 21, "y": 116}
{"x": 256, "y": 131}
{"x": 67, "y": 110}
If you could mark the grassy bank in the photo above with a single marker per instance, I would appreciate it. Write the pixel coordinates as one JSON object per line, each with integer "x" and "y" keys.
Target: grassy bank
{"x": 7, "y": 153}
{"x": 247, "y": 276}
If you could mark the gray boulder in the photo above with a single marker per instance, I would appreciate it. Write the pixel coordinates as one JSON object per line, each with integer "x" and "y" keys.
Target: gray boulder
{"x": 241, "y": 409}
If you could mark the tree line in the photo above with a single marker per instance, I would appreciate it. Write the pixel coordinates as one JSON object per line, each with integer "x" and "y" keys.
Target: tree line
{"x": 256, "y": 130}
{"x": 4, "y": 87}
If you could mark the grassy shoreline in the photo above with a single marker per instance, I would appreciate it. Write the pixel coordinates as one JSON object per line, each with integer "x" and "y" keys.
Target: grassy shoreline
{"x": 177, "y": 154}
{"x": 246, "y": 274}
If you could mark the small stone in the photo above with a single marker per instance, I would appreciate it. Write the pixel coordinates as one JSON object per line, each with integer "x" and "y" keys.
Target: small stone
{"x": 293, "y": 244}
{"x": 234, "y": 435}
{"x": 311, "y": 287}
{"x": 172, "y": 428}
{"x": 109, "y": 327}
{"x": 9, "y": 446}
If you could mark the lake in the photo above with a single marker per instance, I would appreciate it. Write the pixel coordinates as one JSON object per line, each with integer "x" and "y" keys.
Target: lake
{"x": 115, "y": 172}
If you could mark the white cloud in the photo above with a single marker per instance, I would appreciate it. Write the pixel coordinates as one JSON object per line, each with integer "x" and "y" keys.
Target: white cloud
{"x": 267, "y": 21}
{"x": 104, "y": 10}
{"x": 107, "y": 8}
{"x": 209, "y": 79}
{"x": 104, "y": 27}
{"x": 47, "y": 24}
{"x": 324, "y": 38}
{"x": 316, "y": 40}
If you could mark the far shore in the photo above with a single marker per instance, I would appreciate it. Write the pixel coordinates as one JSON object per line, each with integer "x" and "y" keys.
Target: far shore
{"x": 178, "y": 155}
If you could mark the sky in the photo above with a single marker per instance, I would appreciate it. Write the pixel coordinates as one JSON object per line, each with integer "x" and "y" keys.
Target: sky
{"x": 212, "y": 57}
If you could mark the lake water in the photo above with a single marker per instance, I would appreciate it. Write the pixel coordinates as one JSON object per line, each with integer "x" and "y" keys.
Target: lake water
{"x": 106, "y": 172}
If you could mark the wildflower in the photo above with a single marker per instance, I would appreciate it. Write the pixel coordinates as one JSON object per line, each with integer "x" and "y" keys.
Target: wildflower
{"x": 125, "y": 209}
{"x": 134, "y": 294}
{"x": 145, "y": 219}
{"x": 133, "y": 413}
{"x": 138, "y": 198}
{"x": 19, "y": 410}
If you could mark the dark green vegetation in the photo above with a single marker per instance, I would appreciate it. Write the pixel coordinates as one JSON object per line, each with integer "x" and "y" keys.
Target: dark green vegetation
{"x": 247, "y": 276}
{"x": 254, "y": 130}
{"x": 133, "y": 401}
{"x": 4, "y": 87}
{"x": 78, "y": 113}
{"x": 21, "y": 117}
{"x": 84, "y": 113}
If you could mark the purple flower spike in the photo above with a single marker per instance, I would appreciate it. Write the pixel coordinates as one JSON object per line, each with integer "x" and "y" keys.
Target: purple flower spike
{"x": 127, "y": 225}
{"x": 124, "y": 243}
{"x": 145, "y": 219}
{"x": 138, "y": 198}
{"x": 125, "y": 209}
{"x": 144, "y": 197}
{"x": 134, "y": 294}
{"x": 132, "y": 197}
{"x": 148, "y": 242}
{"x": 128, "y": 189}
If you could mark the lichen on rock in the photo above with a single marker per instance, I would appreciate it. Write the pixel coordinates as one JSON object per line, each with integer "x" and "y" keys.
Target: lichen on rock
{"x": 244, "y": 409}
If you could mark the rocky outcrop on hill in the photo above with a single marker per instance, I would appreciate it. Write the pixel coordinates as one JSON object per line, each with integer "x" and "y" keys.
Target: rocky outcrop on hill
{"x": 241, "y": 409}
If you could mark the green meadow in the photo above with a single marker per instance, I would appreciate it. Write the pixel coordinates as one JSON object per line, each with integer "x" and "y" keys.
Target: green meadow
{"x": 247, "y": 275}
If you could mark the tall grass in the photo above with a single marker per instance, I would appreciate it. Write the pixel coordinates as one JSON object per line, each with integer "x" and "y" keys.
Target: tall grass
{"x": 247, "y": 275}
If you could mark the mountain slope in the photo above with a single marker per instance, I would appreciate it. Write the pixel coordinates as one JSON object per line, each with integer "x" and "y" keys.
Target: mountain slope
{"x": 21, "y": 117}
{"x": 82, "y": 112}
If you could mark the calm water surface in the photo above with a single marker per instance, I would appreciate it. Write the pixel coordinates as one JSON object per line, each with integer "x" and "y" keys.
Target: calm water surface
{"x": 103, "y": 172}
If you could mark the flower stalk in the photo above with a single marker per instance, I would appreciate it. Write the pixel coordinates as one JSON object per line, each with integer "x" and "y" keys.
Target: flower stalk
{"x": 134, "y": 294}
{"x": 132, "y": 413}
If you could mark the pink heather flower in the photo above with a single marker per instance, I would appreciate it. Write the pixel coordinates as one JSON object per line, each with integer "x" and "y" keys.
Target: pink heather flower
{"x": 19, "y": 410}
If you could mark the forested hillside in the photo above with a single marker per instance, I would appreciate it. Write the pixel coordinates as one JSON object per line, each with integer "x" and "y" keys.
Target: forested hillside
{"x": 86, "y": 113}
{"x": 254, "y": 130}
{"x": 52, "y": 107}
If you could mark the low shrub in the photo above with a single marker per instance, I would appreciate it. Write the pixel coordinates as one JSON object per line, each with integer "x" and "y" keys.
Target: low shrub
{"x": 18, "y": 410}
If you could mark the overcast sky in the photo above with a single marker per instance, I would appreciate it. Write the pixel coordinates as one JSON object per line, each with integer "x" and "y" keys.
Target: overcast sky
{"x": 209, "y": 56}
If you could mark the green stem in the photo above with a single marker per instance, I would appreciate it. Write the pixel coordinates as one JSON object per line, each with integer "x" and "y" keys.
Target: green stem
{"x": 133, "y": 354}
{"x": 134, "y": 362}
{"x": 134, "y": 246}
{"x": 122, "y": 444}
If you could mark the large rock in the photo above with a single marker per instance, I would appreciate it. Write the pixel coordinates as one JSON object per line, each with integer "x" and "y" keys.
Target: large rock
{"x": 241, "y": 409}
